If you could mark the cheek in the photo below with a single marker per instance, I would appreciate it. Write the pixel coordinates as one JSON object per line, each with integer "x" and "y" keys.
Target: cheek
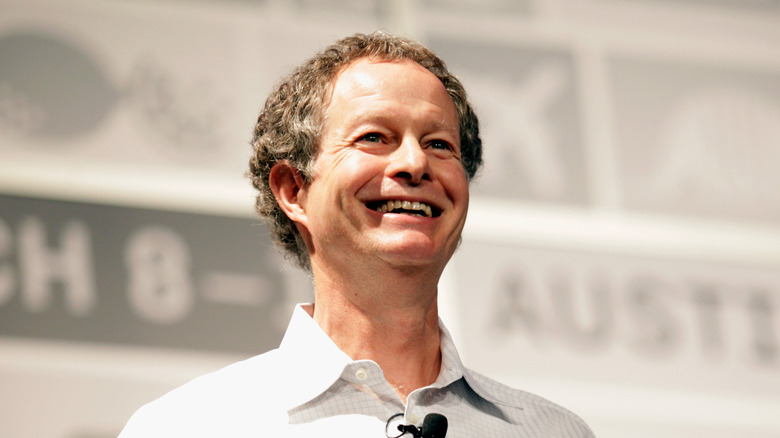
{"x": 455, "y": 183}
{"x": 360, "y": 169}
{"x": 351, "y": 176}
{"x": 341, "y": 167}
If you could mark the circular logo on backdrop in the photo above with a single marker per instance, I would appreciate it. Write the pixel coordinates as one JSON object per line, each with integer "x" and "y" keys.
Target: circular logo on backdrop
{"x": 50, "y": 89}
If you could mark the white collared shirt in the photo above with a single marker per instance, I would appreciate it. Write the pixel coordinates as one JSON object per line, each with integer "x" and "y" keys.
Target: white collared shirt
{"x": 309, "y": 387}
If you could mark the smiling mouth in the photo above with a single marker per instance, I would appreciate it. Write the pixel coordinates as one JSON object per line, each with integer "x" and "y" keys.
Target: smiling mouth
{"x": 411, "y": 208}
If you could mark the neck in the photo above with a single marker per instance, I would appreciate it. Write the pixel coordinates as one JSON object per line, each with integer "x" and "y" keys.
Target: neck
{"x": 389, "y": 317}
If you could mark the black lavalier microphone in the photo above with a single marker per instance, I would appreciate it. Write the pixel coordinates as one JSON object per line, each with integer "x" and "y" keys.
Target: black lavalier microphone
{"x": 434, "y": 426}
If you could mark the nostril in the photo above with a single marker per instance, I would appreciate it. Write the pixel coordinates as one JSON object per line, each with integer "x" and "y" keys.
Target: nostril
{"x": 413, "y": 178}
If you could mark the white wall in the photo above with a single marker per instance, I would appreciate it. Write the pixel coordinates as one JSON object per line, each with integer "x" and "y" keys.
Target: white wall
{"x": 621, "y": 257}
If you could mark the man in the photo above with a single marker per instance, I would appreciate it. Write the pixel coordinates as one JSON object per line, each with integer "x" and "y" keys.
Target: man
{"x": 362, "y": 159}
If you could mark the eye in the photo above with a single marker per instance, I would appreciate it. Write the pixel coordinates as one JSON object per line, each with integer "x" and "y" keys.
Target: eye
{"x": 371, "y": 137}
{"x": 440, "y": 144}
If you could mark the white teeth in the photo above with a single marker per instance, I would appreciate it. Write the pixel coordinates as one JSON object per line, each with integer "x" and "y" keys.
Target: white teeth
{"x": 389, "y": 206}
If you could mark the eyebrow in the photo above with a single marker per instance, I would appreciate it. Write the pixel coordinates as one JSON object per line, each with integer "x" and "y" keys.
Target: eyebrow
{"x": 369, "y": 115}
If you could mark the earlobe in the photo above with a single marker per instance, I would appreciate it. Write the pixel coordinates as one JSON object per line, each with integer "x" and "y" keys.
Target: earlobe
{"x": 286, "y": 183}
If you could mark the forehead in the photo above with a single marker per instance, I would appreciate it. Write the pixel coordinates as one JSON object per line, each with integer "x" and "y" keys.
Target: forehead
{"x": 371, "y": 82}
{"x": 366, "y": 67}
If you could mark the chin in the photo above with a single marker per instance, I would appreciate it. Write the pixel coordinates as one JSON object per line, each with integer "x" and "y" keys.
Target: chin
{"x": 414, "y": 249}
{"x": 411, "y": 255}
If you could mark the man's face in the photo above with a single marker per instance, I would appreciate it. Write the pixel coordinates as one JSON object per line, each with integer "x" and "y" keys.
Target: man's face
{"x": 388, "y": 180}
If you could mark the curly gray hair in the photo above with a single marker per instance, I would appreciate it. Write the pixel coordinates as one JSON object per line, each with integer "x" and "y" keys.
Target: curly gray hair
{"x": 289, "y": 126}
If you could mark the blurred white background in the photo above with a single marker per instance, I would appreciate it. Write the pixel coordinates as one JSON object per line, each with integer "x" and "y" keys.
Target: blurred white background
{"x": 621, "y": 257}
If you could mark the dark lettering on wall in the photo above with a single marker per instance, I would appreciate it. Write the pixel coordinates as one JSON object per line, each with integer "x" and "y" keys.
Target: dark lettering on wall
{"x": 582, "y": 304}
{"x": 516, "y": 304}
{"x": 7, "y": 270}
{"x": 765, "y": 346}
{"x": 655, "y": 331}
{"x": 658, "y": 315}
{"x": 708, "y": 303}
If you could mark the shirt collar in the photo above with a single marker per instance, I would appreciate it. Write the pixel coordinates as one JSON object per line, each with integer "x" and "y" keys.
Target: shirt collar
{"x": 316, "y": 362}
{"x": 313, "y": 358}
{"x": 453, "y": 369}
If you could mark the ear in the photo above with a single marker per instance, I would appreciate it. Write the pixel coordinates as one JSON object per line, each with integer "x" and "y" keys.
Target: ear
{"x": 286, "y": 183}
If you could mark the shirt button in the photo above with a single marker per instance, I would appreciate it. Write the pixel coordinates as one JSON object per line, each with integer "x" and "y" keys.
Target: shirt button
{"x": 361, "y": 374}
{"x": 412, "y": 418}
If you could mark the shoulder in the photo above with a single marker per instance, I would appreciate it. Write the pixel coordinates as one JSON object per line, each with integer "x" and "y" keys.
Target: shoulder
{"x": 529, "y": 409}
{"x": 211, "y": 401}
{"x": 236, "y": 381}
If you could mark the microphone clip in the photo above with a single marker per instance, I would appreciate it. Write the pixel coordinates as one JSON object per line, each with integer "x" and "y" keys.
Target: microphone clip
{"x": 434, "y": 426}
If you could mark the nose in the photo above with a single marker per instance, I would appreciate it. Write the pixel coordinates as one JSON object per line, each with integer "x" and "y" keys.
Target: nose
{"x": 410, "y": 162}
